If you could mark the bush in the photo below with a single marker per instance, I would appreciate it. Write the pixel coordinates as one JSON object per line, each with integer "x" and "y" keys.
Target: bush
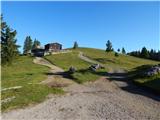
{"x": 116, "y": 54}
{"x": 72, "y": 70}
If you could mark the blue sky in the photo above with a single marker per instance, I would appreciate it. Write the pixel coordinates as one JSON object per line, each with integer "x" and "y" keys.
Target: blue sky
{"x": 131, "y": 25}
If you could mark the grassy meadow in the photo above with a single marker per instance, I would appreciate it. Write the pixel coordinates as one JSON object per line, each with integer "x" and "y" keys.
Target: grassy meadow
{"x": 22, "y": 72}
{"x": 111, "y": 63}
{"x": 109, "y": 60}
{"x": 126, "y": 62}
{"x": 25, "y": 73}
{"x": 67, "y": 60}
{"x": 152, "y": 82}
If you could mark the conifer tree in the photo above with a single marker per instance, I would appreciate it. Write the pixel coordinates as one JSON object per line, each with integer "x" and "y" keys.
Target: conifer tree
{"x": 27, "y": 45}
{"x": 123, "y": 51}
{"x": 75, "y": 46}
{"x": 9, "y": 48}
{"x": 36, "y": 43}
{"x": 144, "y": 53}
{"x": 109, "y": 46}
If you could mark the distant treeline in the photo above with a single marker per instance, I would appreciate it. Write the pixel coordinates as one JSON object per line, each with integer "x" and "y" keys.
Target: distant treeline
{"x": 144, "y": 53}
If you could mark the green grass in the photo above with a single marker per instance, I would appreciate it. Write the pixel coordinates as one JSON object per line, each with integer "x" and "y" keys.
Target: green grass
{"x": 22, "y": 72}
{"x": 85, "y": 75}
{"x": 67, "y": 60}
{"x": 152, "y": 82}
{"x": 129, "y": 63}
{"x": 109, "y": 60}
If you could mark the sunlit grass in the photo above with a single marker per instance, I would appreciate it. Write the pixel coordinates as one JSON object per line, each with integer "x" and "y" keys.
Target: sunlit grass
{"x": 22, "y": 72}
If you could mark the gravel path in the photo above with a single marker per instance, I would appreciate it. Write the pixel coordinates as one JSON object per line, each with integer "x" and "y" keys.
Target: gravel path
{"x": 99, "y": 100}
{"x": 81, "y": 56}
{"x": 55, "y": 75}
{"x": 41, "y": 61}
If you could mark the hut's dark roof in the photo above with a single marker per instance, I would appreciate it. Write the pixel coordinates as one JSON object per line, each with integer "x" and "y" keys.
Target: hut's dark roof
{"x": 54, "y": 43}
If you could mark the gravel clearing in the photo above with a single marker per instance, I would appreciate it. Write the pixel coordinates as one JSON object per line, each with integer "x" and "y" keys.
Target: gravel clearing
{"x": 99, "y": 100}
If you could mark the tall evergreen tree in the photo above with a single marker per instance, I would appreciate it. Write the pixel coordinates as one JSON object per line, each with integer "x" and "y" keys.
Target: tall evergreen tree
{"x": 27, "y": 45}
{"x": 36, "y": 44}
{"x": 9, "y": 48}
{"x": 158, "y": 55}
{"x": 144, "y": 53}
{"x": 151, "y": 54}
{"x": 123, "y": 51}
{"x": 109, "y": 46}
{"x": 75, "y": 45}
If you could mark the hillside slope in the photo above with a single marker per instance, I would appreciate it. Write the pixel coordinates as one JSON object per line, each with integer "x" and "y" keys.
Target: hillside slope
{"x": 26, "y": 76}
{"x": 66, "y": 60}
{"x": 100, "y": 99}
{"x": 123, "y": 61}
{"x": 111, "y": 63}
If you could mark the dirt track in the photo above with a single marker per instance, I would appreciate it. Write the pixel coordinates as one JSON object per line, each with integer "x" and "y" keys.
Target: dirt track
{"x": 99, "y": 100}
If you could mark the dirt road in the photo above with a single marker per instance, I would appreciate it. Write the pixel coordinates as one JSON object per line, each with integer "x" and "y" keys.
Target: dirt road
{"x": 99, "y": 100}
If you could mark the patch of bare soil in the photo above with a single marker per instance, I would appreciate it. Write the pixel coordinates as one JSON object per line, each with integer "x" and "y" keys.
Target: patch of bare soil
{"x": 57, "y": 81}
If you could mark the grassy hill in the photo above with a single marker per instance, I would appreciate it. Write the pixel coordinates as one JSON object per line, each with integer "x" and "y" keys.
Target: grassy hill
{"x": 123, "y": 61}
{"x": 109, "y": 60}
{"x": 22, "y": 72}
{"x": 66, "y": 60}
{"x": 128, "y": 63}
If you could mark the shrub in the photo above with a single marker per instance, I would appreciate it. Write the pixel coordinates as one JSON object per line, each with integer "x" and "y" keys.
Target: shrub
{"x": 116, "y": 54}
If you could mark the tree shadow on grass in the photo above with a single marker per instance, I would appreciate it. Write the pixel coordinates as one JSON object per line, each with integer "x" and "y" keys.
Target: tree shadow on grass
{"x": 126, "y": 77}
{"x": 62, "y": 74}
{"x": 104, "y": 60}
{"x": 81, "y": 72}
{"x": 100, "y": 73}
{"x": 132, "y": 86}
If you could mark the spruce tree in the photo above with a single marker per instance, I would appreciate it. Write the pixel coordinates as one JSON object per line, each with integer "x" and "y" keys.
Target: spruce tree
{"x": 123, "y": 51}
{"x": 144, "y": 53}
{"x": 109, "y": 46}
{"x": 75, "y": 46}
{"x": 36, "y": 43}
{"x": 151, "y": 54}
{"x": 9, "y": 48}
{"x": 27, "y": 45}
{"x": 158, "y": 56}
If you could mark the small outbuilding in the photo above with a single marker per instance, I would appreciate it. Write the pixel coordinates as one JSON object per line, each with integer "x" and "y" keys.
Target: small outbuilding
{"x": 38, "y": 52}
